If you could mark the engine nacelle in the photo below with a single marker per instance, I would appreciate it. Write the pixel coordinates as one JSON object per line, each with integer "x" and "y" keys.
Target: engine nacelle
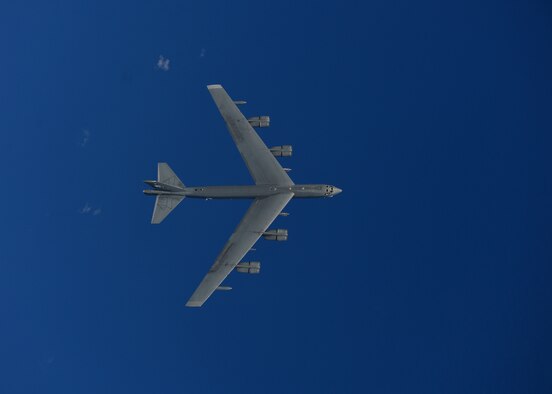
{"x": 282, "y": 150}
{"x": 259, "y": 121}
{"x": 253, "y": 267}
{"x": 276, "y": 235}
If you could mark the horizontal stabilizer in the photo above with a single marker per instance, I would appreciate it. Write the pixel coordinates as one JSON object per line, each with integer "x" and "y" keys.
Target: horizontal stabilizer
{"x": 167, "y": 176}
{"x": 163, "y": 206}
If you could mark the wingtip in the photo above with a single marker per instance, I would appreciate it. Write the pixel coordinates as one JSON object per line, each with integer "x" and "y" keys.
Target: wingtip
{"x": 216, "y": 86}
{"x": 193, "y": 304}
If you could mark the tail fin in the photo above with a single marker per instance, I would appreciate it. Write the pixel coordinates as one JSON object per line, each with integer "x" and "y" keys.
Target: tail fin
{"x": 165, "y": 204}
{"x": 167, "y": 176}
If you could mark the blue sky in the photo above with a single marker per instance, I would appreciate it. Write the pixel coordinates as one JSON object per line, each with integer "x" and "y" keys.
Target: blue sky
{"x": 430, "y": 273}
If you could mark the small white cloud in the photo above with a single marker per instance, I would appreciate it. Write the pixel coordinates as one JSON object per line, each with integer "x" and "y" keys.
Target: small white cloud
{"x": 85, "y": 138}
{"x": 90, "y": 210}
{"x": 163, "y": 63}
{"x": 203, "y": 52}
{"x": 46, "y": 363}
{"x": 86, "y": 209}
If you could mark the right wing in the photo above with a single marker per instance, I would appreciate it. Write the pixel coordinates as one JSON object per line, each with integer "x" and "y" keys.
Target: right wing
{"x": 260, "y": 215}
{"x": 262, "y": 165}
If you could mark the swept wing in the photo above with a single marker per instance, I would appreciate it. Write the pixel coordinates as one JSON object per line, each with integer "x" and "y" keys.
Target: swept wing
{"x": 260, "y": 215}
{"x": 262, "y": 165}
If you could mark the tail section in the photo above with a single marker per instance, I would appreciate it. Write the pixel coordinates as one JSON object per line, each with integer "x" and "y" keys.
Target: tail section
{"x": 167, "y": 176}
{"x": 163, "y": 206}
{"x": 167, "y": 182}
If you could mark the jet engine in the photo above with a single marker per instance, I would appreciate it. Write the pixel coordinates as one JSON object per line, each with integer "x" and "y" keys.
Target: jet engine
{"x": 282, "y": 150}
{"x": 259, "y": 121}
{"x": 253, "y": 267}
{"x": 276, "y": 235}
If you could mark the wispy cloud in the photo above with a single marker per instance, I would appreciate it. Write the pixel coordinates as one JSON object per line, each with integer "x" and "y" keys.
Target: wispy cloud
{"x": 46, "y": 363}
{"x": 90, "y": 210}
{"x": 85, "y": 138}
{"x": 203, "y": 52}
{"x": 163, "y": 63}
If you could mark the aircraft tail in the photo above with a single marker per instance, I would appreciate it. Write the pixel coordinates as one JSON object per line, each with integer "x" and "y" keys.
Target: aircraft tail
{"x": 167, "y": 176}
{"x": 164, "y": 204}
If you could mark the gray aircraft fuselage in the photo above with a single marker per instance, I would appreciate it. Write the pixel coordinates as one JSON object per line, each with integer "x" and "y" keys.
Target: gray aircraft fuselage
{"x": 231, "y": 192}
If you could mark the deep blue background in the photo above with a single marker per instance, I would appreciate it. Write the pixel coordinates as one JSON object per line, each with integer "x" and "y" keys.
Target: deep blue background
{"x": 430, "y": 273}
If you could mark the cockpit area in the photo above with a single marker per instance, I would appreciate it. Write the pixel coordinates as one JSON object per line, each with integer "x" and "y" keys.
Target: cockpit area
{"x": 314, "y": 190}
{"x": 331, "y": 191}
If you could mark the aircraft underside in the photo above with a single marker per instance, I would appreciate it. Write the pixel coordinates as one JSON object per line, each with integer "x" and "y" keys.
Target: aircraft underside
{"x": 246, "y": 192}
{"x": 272, "y": 191}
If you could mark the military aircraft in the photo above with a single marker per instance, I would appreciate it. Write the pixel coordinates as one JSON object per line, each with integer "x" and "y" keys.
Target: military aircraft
{"x": 272, "y": 191}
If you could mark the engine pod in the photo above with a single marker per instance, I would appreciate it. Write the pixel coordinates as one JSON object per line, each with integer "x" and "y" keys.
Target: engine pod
{"x": 276, "y": 235}
{"x": 259, "y": 121}
{"x": 253, "y": 267}
{"x": 282, "y": 150}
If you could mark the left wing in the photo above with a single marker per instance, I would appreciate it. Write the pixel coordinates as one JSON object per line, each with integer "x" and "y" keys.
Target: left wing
{"x": 260, "y": 215}
{"x": 261, "y": 163}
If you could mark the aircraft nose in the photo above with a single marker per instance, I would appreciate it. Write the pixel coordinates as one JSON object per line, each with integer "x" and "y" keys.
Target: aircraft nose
{"x": 337, "y": 190}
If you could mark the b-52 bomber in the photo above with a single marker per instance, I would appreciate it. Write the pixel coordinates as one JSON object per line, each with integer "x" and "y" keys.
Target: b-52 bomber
{"x": 272, "y": 191}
